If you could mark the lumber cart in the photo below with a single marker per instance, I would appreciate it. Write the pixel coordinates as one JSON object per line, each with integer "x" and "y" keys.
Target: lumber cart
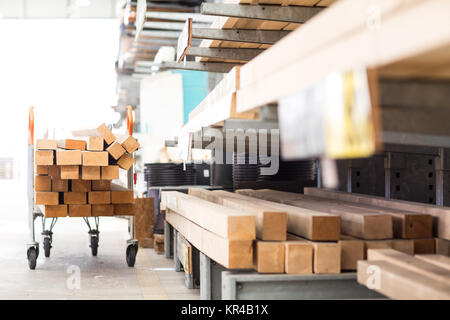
{"x": 34, "y": 213}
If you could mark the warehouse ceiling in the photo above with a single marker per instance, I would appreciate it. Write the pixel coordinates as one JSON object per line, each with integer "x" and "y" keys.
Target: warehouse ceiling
{"x": 59, "y": 9}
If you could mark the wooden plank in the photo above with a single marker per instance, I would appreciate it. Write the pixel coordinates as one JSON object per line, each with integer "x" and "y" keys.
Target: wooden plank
{"x": 438, "y": 260}
{"x": 70, "y": 172}
{"x": 442, "y": 247}
{"x": 99, "y": 197}
{"x": 326, "y": 256}
{"x": 42, "y": 170}
{"x": 90, "y": 173}
{"x": 54, "y": 171}
{"x": 43, "y": 183}
{"x": 50, "y": 198}
{"x": 399, "y": 283}
{"x": 75, "y": 198}
{"x": 358, "y": 223}
{"x": 269, "y": 256}
{"x": 101, "y": 185}
{"x": 115, "y": 150}
{"x": 298, "y": 257}
{"x": 46, "y": 144}
{"x": 125, "y": 161}
{"x": 98, "y": 210}
{"x": 184, "y": 40}
{"x": 79, "y": 210}
{"x": 411, "y": 263}
{"x": 43, "y": 157}
{"x": 225, "y": 222}
{"x": 68, "y": 157}
{"x": 101, "y": 131}
{"x": 110, "y": 172}
{"x": 352, "y": 250}
{"x": 78, "y": 185}
{"x": 310, "y": 224}
{"x": 60, "y": 185}
{"x": 95, "y": 144}
{"x": 129, "y": 143}
{"x": 95, "y": 158}
{"x": 232, "y": 254}
{"x": 72, "y": 144}
{"x": 143, "y": 218}
{"x": 412, "y": 224}
{"x": 124, "y": 209}
{"x": 270, "y": 224}
{"x": 424, "y": 246}
{"x": 54, "y": 211}
{"x": 403, "y": 245}
{"x": 120, "y": 194}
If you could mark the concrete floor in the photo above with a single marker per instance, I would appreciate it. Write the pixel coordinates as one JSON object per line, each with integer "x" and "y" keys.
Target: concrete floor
{"x": 106, "y": 276}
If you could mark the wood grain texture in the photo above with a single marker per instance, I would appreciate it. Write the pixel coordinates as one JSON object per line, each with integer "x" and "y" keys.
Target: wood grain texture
{"x": 269, "y": 256}
{"x": 411, "y": 263}
{"x": 410, "y": 219}
{"x": 232, "y": 254}
{"x": 400, "y": 283}
{"x": 270, "y": 224}
{"x": 310, "y": 224}
{"x": 225, "y": 222}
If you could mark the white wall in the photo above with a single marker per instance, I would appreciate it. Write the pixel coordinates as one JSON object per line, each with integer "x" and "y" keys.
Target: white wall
{"x": 65, "y": 68}
{"x": 161, "y": 101}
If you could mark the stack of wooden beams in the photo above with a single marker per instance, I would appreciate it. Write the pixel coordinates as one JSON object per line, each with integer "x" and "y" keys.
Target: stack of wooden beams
{"x": 73, "y": 176}
{"x": 296, "y": 233}
{"x": 412, "y": 224}
{"x": 255, "y": 24}
{"x": 364, "y": 226}
{"x": 226, "y": 235}
{"x": 401, "y": 276}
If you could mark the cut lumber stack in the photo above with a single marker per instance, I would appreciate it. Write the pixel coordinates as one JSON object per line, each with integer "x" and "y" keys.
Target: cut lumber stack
{"x": 296, "y": 233}
{"x": 363, "y": 226}
{"x": 411, "y": 220}
{"x": 401, "y": 276}
{"x": 276, "y": 251}
{"x": 224, "y": 234}
{"x": 73, "y": 176}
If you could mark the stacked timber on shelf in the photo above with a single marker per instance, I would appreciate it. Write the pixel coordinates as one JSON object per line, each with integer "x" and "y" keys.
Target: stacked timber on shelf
{"x": 311, "y": 53}
{"x": 240, "y": 23}
{"x": 73, "y": 176}
{"x": 410, "y": 226}
{"x": 275, "y": 250}
{"x": 223, "y": 234}
{"x": 401, "y": 276}
{"x": 364, "y": 226}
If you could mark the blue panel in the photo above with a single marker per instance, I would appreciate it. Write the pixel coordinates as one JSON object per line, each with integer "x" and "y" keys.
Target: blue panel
{"x": 195, "y": 89}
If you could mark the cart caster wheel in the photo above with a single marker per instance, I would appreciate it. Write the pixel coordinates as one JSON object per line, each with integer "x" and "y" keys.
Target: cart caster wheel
{"x": 32, "y": 257}
{"x": 94, "y": 246}
{"x": 47, "y": 247}
{"x": 131, "y": 255}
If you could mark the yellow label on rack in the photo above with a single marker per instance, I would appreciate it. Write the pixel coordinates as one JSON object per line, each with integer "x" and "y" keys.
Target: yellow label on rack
{"x": 349, "y": 123}
{"x": 186, "y": 262}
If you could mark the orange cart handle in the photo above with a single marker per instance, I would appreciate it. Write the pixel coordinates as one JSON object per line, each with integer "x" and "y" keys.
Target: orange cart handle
{"x": 31, "y": 126}
{"x": 130, "y": 120}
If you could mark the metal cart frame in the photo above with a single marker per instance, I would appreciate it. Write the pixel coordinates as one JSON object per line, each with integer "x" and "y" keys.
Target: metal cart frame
{"x": 47, "y": 233}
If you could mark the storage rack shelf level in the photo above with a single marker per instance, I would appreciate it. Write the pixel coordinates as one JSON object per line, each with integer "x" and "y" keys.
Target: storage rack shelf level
{"x": 217, "y": 282}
